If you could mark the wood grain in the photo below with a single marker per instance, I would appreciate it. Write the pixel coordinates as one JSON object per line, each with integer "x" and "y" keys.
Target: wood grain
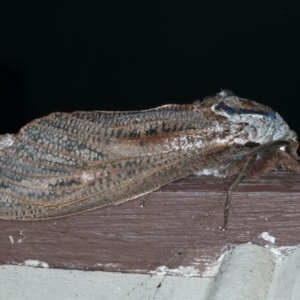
{"x": 184, "y": 216}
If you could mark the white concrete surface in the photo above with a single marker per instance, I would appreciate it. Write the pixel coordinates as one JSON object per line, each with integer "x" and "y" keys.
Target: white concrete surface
{"x": 28, "y": 283}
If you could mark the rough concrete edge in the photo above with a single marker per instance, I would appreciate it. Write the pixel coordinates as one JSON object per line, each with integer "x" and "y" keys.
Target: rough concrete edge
{"x": 259, "y": 272}
{"x": 246, "y": 272}
{"x": 286, "y": 281}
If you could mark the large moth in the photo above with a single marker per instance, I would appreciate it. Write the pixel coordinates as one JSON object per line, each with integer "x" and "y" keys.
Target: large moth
{"x": 66, "y": 163}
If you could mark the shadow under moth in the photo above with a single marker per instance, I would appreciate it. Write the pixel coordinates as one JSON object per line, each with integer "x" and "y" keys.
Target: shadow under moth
{"x": 66, "y": 163}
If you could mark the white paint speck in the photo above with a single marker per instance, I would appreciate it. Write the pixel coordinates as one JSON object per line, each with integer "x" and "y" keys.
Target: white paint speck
{"x": 20, "y": 240}
{"x": 35, "y": 263}
{"x": 282, "y": 251}
{"x": 11, "y": 239}
{"x": 212, "y": 171}
{"x": 213, "y": 269}
{"x": 180, "y": 271}
{"x": 267, "y": 237}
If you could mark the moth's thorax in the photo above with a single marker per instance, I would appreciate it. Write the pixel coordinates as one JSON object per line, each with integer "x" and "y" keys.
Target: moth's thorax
{"x": 260, "y": 123}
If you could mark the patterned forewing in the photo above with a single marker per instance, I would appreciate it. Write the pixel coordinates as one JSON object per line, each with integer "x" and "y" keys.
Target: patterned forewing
{"x": 63, "y": 164}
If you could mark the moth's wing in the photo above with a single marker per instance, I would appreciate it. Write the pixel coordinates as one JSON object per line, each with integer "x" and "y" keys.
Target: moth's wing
{"x": 63, "y": 164}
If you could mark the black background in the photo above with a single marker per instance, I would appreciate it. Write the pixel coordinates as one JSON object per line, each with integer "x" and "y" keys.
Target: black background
{"x": 79, "y": 55}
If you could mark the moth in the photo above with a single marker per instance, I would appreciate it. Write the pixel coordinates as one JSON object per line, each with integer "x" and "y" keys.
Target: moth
{"x": 67, "y": 163}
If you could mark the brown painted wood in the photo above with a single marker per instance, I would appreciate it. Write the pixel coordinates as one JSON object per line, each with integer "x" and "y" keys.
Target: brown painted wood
{"x": 185, "y": 216}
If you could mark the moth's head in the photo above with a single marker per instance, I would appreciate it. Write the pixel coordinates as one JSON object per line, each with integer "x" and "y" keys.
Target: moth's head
{"x": 229, "y": 105}
{"x": 262, "y": 122}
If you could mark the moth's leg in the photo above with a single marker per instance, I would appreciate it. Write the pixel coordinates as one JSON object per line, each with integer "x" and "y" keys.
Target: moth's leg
{"x": 234, "y": 184}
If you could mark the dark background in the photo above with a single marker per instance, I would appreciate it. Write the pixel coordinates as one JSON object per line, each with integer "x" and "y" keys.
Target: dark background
{"x": 78, "y": 55}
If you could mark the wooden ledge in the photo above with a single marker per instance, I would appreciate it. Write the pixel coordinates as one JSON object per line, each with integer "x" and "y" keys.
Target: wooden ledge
{"x": 184, "y": 216}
